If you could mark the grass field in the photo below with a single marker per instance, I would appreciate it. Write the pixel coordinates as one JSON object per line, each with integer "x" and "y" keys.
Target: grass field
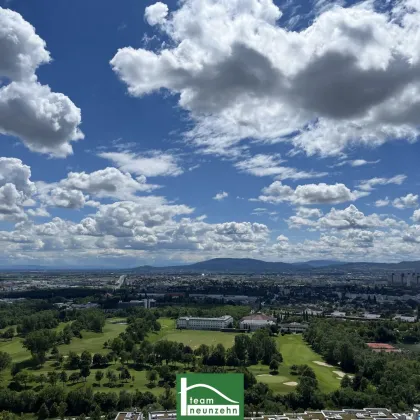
{"x": 293, "y": 348}
{"x": 296, "y": 352}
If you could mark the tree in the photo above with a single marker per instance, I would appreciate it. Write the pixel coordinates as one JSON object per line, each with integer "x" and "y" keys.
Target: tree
{"x": 85, "y": 359}
{"x": 22, "y": 378}
{"x": 99, "y": 376}
{"x": 346, "y": 382}
{"x": 5, "y": 360}
{"x": 166, "y": 350}
{"x": 63, "y": 377}
{"x": 152, "y": 376}
{"x": 99, "y": 360}
{"x": 124, "y": 357}
{"x": 274, "y": 365}
{"x": 7, "y": 415}
{"x": 54, "y": 410}
{"x": 53, "y": 377}
{"x": 73, "y": 360}
{"x": 96, "y": 413}
{"x": 112, "y": 377}
{"x": 85, "y": 372}
{"x": 43, "y": 412}
{"x": 125, "y": 374}
{"x": 62, "y": 408}
{"x": 42, "y": 379}
{"x": 74, "y": 377}
{"x": 167, "y": 375}
{"x": 125, "y": 400}
{"x": 167, "y": 399}
{"x": 39, "y": 343}
{"x": 117, "y": 345}
{"x": 9, "y": 333}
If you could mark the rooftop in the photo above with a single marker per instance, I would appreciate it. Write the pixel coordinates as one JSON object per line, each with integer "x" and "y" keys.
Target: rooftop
{"x": 345, "y": 414}
{"x": 221, "y": 318}
{"x": 258, "y": 317}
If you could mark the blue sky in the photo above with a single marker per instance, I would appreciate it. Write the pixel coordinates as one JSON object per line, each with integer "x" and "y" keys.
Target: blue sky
{"x": 146, "y": 133}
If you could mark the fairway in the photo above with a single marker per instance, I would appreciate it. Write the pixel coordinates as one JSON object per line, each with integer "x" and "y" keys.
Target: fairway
{"x": 94, "y": 342}
{"x": 194, "y": 338}
{"x": 295, "y": 352}
{"x": 91, "y": 341}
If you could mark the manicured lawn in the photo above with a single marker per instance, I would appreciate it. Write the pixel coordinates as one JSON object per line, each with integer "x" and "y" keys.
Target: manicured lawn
{"x": 94, "y": 342}
{"x": 295, "y": 351}
{"x": 192, "y": 338}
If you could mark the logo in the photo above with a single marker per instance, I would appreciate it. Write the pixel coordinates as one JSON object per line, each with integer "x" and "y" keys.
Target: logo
{"x": 210, "y": 395}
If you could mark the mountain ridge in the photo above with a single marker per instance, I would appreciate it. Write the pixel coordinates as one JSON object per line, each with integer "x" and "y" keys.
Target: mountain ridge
{"x": 250, "y": 265}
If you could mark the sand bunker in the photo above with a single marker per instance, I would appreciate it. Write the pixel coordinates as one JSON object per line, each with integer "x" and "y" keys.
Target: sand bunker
{"x": 290, "y": 383}
{"x": 339, "y": 373}
{"x": 265, "y": 374}
{"x": 322, "y": 363}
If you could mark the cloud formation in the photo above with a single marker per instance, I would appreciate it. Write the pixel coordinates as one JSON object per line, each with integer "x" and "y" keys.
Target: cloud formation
{"x": 221, "y": 196}
{"x": 309, "y": 194}
{"x": 410, "y": 200}
{"x": 257, "y": 80}
{"x": 149, "y": 164}
{"x": 270, "y": 165}
{"x": 45, "y": 121}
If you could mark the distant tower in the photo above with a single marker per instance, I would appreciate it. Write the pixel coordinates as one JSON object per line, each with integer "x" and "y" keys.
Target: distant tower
{"x": 402, "y": 278}
{"x": 392, "y": 278}
{"x": 418, "y": 279}
{"x": 408, "y": 281}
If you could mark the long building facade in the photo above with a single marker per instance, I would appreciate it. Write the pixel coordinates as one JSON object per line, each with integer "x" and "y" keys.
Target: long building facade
{"x": 197, "y": 323}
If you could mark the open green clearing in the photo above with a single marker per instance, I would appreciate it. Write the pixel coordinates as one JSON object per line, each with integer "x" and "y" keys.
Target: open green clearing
{"x": 296, "y": 352}
{"x": 293, "y": 348}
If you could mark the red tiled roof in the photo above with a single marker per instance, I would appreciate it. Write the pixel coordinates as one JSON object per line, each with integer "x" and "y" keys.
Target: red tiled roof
{"x": 383, "y": 346}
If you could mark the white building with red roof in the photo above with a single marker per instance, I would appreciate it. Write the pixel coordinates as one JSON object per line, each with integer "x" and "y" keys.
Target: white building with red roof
{"x": 256, "y": 321}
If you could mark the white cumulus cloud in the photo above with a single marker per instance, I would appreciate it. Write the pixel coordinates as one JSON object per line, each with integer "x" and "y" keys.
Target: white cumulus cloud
{"x": 241, "y": 75}
{"x": 309, "y": 194}
{"x": 47, "y": 122}
{"x": 410, "y": 200}
{"x": 156, "y": 13}
{"x": 221, "y": 196}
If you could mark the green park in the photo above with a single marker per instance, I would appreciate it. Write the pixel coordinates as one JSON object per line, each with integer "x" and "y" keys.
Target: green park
{"x": 294, "y": 350}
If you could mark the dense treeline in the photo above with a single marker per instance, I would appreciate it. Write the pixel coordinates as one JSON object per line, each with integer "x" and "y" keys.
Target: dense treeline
{"x": 12, "y": 314}
{"x": 38, "y": 321}
{"x": 380, "y": 379}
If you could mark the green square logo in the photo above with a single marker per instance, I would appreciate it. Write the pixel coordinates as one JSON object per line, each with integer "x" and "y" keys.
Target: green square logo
{"x": 210, "y": 395}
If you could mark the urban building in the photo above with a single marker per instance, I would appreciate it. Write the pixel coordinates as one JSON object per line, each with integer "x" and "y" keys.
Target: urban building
{"x": 145, "y": 303}
{"x": 405, "y": 318}
{"x": 197, "y": 323}
{"x": 337, "y": 314}
{"x": 256, "y": 321}
{"x": 293, "y": 327}
{"x": 345, "y": 414}
{"x": 383, "y": 347}
{"x": 404, "y": 278}
{"x": 127, "y": 415}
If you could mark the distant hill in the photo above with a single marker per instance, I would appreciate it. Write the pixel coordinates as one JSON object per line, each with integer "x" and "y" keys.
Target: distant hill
{"x": 320, "y": 263}
{"x": 227, "y": 265}
{"x": 249, "y": 265}
{"x": 368, "y": 266}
